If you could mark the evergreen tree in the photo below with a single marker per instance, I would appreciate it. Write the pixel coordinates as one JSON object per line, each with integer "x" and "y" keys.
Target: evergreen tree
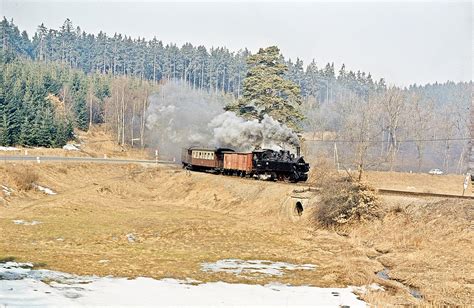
{"x": 78, "y": 93}
{"x": 267, "y": 92}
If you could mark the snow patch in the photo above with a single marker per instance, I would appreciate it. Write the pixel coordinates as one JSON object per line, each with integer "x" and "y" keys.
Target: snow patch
{"x": 70, "y": 147}
{"x": 21, "y": 285}
{"x": 367, "y": 288}
{"x": 46, "y": 190}
{"x": 249, "y": 267}
{"x": 6, "y": 190}
{"x": 131, "y": 238}
{"x": 9, "y": 149}
{"x": 26, "y": 223}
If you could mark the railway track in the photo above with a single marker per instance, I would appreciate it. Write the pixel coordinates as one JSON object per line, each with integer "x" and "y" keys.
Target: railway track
{"x": 305, "y": 187}
{"x": 422, "y": 194}
{"x": 308, "y": 188}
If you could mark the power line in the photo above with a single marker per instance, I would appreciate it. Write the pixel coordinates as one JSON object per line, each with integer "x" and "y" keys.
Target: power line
{"x": 388, "y": 141}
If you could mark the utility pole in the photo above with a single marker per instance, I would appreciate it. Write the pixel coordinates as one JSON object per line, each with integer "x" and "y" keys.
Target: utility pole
{"x": 327, "y": 91}
{"x": 470, "y": 167}
{"x": 336, "y": 157}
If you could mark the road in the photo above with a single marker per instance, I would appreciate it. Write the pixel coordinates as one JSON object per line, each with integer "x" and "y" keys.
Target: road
{"x": 19, "y": 158}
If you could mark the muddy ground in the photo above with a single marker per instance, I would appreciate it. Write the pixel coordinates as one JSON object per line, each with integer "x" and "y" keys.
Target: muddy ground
{"x": 161, "y": 222}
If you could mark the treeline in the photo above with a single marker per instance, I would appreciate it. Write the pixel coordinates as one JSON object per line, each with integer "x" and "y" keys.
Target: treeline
{"x": 417, "y": 128}
{"x": 41, "y": 104}
{"x": 214, "y": 69}
{"x": 30, "y": 113}
{"x": 107, "y": 79}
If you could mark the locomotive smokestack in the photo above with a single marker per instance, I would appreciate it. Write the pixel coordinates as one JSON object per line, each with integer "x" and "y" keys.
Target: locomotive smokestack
{"x": 298, "y": 150}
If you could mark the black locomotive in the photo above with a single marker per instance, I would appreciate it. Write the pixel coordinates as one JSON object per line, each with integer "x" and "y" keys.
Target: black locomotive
{"x": 280, "y": 165}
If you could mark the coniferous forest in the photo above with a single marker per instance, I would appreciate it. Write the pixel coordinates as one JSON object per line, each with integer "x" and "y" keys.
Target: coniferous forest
{"x": 56, "y": 80}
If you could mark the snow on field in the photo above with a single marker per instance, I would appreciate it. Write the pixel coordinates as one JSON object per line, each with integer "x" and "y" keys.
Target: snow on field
{"x": 242, "y": 267}
{"x": 70, "y": 147}
{"x": 21, "y": 285}
{"x": 26, "y": 223}
{"x": 9, "y": 149}
{"x": 367, "y": 288}
{"x": 6, "y": 190}
{"x": 46, "y": 190}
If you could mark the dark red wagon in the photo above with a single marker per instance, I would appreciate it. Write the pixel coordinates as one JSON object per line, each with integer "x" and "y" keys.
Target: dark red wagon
{"x": 237, "y": 162}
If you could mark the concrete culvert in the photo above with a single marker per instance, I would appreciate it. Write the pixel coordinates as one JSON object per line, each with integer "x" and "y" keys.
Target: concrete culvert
{"x": 299, "y": 208}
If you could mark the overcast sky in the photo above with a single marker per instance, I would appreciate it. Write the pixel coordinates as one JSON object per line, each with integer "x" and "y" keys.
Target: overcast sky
{"x": 404, "y": 42}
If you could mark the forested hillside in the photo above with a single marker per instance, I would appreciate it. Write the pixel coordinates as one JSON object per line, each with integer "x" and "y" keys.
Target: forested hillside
{"x": 41, "y": 103}
{"x": 30, "y": 113}
{"x": 215, "y": 69}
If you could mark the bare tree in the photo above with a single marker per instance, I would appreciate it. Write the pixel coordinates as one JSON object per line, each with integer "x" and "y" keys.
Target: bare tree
{"x": 125, "y": 109}
{"x": 359, "y": 128}
{"x": 419, "y": 124}
{"x": 392, "y": 105}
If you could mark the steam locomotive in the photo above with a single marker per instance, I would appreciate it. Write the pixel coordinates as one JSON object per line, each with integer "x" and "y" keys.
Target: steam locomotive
{"x": 262, "y": 164}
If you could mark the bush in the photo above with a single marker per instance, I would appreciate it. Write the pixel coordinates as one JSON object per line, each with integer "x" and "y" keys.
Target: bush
{"x": 344, "y": 200}
{"x": 24, "y": 178}
{"x": 322, "y": 171}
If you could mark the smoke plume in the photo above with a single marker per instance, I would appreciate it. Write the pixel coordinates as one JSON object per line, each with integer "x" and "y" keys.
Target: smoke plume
{"x": 229, "y": 130}
{"x": 179, "y": 117}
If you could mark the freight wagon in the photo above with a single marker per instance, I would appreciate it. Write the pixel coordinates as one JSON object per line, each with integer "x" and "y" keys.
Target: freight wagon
{"x": 236, "y": 163}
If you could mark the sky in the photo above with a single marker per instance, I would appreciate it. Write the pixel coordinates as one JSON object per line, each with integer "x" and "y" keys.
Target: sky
{"x": 404, "y": 42}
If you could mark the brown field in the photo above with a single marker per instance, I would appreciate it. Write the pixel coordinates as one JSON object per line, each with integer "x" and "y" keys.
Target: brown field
{"x": 419, "y": 182}
{"x": 180, "y": 221}
{"x": 94, "y": 143}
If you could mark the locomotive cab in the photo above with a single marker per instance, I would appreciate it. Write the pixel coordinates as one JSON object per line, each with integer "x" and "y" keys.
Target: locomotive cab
{"x": 281, "y": 165}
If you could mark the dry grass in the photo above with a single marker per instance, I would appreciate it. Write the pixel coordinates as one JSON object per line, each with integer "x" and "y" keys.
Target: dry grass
{"x": 181, "y": 221}
{"x": 94, "y": 143}
{"x": 426, "y": 245}
{"x": 448, "y": 184}
{"x": 23, "y": 177}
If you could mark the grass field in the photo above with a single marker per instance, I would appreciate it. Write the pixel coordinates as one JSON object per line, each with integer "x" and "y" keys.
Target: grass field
{"x": 179, "y": 221}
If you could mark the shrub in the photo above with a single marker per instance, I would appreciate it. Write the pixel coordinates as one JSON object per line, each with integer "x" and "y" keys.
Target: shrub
{"x": 344, "y": 200}
{"x": 24, "y": 178}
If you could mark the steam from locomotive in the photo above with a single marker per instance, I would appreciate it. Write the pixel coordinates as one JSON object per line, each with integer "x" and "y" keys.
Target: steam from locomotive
{"x": 179, "y": 116}
{"x": 230, "y": 130}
